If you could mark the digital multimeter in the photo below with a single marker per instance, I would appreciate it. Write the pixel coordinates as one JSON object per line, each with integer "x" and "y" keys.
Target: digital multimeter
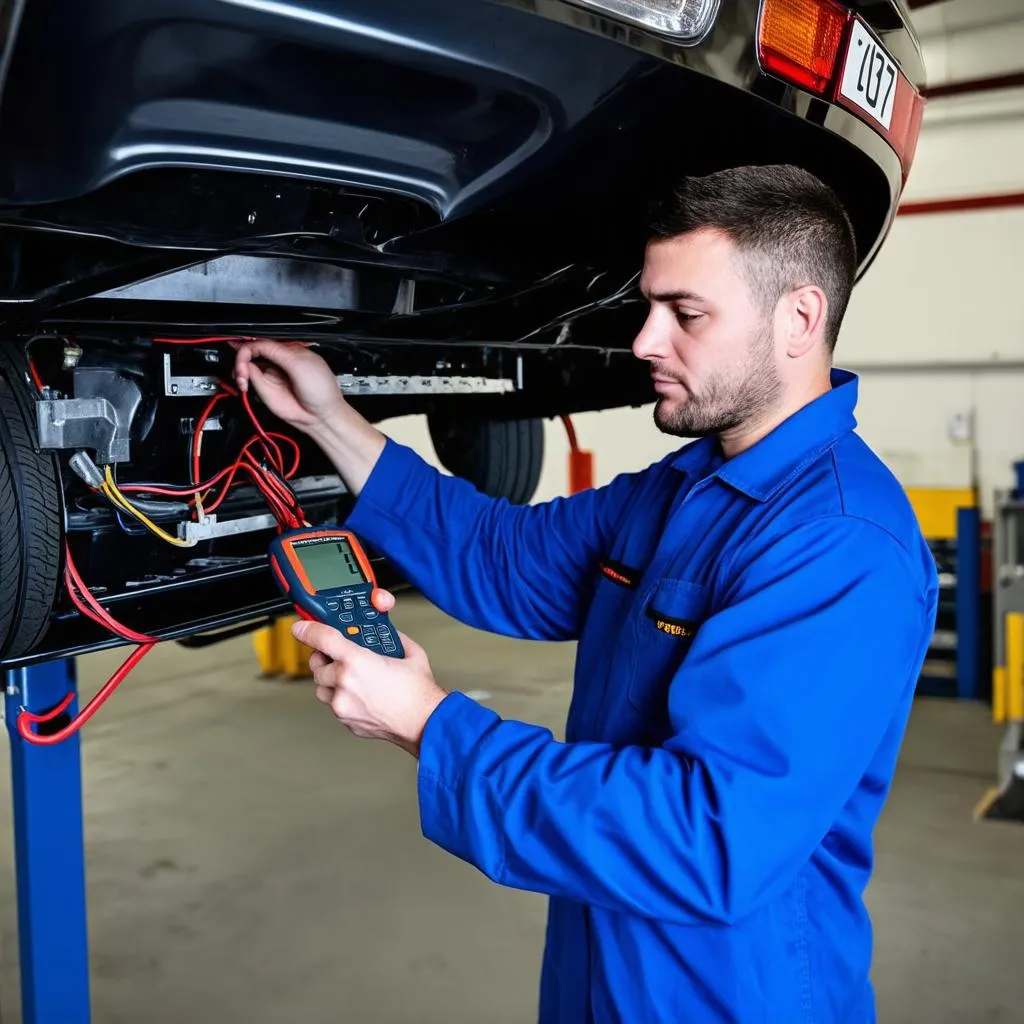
{"x": 327, "y": 576}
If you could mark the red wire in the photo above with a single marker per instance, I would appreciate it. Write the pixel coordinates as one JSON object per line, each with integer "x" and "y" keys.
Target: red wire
{"x": 84, "y": 601}
{"x": 280, "y": 500}
{"x": 212, "y": 339}
{"x": 175, "y": 490}
{"x": 27, "y": 718}
{"x": 95, "y": 609}
{"x": 273, "y": 452}
{"x": 215, "y": 339}
{"x": 298, "y": 453}
{"x": 36, "y": 379}
{"x": 570, "y": 430}
{"x": 199, "y": 430}
{"x": 278, "y": 505}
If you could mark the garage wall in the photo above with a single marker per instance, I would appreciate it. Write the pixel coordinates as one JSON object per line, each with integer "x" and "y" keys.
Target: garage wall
{"x": 936, "y": 328}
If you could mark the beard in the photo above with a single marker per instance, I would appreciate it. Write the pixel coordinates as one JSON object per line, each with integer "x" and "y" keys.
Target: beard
{"x": 726, "y": 400}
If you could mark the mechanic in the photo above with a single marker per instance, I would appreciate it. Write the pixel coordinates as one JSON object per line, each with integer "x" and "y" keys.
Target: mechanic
{"x": 752, "y": 613}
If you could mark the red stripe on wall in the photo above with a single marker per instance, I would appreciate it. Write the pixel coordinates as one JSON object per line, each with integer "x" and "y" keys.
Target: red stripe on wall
{"x": 961, "y": 204}
{"x": 973, "y": 85}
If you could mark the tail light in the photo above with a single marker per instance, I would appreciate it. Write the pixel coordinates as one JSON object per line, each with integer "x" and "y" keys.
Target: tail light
{"x": 806, "y": 43}
{"x": 686, "y": 21}
{"x": 801, "y": 40}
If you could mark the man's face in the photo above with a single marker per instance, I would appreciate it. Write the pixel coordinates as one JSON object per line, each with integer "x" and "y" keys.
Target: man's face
{"x": 710, "y": 346}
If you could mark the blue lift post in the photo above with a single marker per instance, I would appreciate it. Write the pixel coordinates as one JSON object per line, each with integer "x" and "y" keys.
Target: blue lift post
{"x": 968, "y": 603}
{"x": 49, "y": 853}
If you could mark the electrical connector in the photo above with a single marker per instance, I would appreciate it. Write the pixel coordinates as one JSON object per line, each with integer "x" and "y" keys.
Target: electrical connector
{"x": 86, "y": 469}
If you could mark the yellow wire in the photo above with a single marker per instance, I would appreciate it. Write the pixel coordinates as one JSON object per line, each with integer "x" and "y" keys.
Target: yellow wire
{"x": 110, "y": 489}
{"x": 199, "y": 452}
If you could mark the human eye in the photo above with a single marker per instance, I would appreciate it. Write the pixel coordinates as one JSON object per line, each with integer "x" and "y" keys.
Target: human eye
{"x": 687, "y": 316}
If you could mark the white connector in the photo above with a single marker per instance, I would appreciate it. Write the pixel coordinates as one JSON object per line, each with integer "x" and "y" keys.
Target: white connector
{"x": 85, "y": 468}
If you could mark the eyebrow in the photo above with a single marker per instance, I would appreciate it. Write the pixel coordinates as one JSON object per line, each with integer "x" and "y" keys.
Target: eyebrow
{"x": 675, "y": 296}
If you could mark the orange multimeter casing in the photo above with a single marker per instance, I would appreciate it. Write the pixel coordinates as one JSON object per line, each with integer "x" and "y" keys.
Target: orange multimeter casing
{"x": 325, "y": 573}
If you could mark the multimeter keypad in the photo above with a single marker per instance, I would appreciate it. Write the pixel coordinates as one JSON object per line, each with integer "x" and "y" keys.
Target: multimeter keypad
{"x": 387, "y": 640}
{"x": 357, "y": 613}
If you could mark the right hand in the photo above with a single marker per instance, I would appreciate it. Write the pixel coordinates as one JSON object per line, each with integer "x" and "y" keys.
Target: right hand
{"x": 294, "y": 383}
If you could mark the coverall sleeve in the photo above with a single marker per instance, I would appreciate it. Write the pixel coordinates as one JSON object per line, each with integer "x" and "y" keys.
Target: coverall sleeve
{"x": 520, "y": 570}
{"x": 778, "y": 709}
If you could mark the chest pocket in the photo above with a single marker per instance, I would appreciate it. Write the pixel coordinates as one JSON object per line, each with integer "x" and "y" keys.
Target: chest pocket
{"x": 664, "y": 629}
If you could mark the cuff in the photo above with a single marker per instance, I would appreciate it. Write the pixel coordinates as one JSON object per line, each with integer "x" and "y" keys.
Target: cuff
{"x": 453, "y": 732}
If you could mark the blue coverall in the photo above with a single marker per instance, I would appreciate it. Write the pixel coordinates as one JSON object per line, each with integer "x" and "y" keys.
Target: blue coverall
{"x": 750, "y": 637}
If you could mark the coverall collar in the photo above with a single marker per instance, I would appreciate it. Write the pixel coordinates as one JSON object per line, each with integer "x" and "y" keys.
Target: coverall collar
{"x": 763, "y": 468}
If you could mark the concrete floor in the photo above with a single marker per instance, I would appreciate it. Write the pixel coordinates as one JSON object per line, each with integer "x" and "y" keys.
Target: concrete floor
{"x": 249, "y": 860}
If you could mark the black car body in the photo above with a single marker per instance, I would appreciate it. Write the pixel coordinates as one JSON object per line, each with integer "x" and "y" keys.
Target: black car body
{"x": 448, "y": 198}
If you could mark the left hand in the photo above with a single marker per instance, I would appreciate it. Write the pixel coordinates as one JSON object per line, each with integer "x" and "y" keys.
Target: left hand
{"x": 374, "y": 696}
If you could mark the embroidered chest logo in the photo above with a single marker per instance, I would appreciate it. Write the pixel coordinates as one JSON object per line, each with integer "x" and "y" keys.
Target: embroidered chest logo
{"x": 621, "y": 574}
{"x": 673, "y": 627}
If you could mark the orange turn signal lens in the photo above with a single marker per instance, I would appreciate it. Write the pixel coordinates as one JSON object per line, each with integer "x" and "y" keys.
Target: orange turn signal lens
{"x": 800, "y": 40}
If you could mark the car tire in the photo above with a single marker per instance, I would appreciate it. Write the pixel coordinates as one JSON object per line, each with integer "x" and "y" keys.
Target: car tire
{"x": 502, "y": 458}
{"x": 31, "y": 516}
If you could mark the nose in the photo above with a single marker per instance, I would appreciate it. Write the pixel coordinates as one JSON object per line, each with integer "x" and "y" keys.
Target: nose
{"x": 653, "y": 341}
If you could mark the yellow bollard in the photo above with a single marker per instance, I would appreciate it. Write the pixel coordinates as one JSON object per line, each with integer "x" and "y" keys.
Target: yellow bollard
{"x": 999, "y": 694}
{"x": 1015, "y": 666}
{"x": 277, "y": 651}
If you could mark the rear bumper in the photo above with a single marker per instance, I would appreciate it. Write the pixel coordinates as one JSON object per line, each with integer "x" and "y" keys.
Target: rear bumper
{"x": 513, "y": 107}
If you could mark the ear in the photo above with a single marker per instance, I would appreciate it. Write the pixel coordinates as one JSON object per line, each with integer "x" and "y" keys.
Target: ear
{"x": 802, "y": 314}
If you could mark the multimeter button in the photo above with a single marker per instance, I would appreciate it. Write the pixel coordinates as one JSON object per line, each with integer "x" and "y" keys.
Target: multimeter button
{"x": 349, "y": 604}
{"x": 333, "y": 605}
{"x": 370, "y": 615}
{"x": 346, "y": 617}
{"x": 384, "y": 631}
{"x": 363, "y": 603}
{"x": 352, "y": 631}
{"x": 371, "y": 638}
{"x": 389, "y": 648}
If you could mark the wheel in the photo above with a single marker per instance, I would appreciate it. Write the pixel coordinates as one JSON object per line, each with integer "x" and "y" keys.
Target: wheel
{"x": 502, "y": 458}
{"x": 31, "y": 514}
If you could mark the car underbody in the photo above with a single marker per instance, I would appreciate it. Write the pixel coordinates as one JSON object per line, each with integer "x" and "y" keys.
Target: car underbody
{"x": 452, "y": 211}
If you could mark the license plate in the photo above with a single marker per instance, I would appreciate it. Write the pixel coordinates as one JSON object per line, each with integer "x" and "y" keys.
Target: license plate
{"x": 869, "y": 76}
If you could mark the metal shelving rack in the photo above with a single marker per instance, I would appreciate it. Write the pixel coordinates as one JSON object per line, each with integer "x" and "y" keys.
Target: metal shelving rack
{"x": 1007, "y": 800}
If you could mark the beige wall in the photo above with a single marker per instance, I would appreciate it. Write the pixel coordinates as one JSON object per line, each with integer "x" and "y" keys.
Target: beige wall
{"x": 936, "y": 328}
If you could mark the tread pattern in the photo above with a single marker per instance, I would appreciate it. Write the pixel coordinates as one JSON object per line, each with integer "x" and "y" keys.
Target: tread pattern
{"x": 502, "y": 458}
{"x": 30, "y": 521}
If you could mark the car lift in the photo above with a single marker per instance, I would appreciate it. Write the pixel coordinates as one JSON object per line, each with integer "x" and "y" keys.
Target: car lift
{"x": 49, "y": 852}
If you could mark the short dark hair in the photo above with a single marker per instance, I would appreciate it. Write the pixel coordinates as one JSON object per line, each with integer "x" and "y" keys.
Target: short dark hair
{"x": 790, "y": 228}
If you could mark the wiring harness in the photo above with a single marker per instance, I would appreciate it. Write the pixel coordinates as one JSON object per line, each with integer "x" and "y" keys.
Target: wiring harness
{"x": 261, "y": 461}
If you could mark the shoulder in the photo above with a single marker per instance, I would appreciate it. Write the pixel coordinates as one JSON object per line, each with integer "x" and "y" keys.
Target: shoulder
{"x": 849, "y": 497}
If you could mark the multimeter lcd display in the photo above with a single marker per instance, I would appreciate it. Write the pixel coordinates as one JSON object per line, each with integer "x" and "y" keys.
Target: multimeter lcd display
{"x": 330, "y": 564}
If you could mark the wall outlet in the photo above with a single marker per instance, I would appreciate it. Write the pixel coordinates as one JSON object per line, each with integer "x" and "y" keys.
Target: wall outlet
{"x": 961, "y": 427}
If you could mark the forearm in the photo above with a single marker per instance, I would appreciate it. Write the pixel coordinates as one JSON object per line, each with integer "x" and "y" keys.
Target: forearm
{"x": 624, "y": 829}
{"x": 352, "y": 444}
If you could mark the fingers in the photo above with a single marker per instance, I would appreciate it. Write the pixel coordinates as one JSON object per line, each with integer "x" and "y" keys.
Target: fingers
{"x": 277, "y": 353}
{"x": 317, "y": 661}
{"x": 383, "y": 600}
{"x": 327, "y": 640}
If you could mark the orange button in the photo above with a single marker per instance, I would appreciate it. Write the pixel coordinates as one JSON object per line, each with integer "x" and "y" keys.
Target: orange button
{"x": 352, "y": 630}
